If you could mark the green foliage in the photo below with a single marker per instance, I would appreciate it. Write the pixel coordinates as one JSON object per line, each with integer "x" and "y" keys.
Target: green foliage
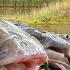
{"x": 37, "y": 2}
{"x": 48, "y": 18}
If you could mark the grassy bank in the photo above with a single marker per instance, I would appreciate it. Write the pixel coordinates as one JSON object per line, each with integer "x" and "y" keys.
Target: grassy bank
{"x": 55, "y": 17}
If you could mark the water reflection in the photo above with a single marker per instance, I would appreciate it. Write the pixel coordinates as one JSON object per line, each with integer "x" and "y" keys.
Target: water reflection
{"x": 17, "y": 10}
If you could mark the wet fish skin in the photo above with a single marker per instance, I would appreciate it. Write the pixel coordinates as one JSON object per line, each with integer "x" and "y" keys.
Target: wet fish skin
{"x": 49, "y": 40}
{"x": 20, "y": 47}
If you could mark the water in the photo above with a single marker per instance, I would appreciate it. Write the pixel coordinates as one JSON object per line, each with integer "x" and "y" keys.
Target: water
{"x": 17, "y": 10}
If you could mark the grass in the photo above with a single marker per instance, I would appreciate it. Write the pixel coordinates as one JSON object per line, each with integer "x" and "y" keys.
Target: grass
{"x": 34, "y": 2}
{"x": 54, "y": 18}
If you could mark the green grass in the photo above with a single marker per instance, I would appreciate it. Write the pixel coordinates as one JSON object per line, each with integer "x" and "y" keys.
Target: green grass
{"x": 39, "y": 2}
{"x": 54, "y": 18}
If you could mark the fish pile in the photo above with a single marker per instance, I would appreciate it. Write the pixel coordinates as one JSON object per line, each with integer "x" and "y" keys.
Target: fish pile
{"x": 19, "y": 50}
{"x": 31, "y": 48}
{"x": 57, "y": 47}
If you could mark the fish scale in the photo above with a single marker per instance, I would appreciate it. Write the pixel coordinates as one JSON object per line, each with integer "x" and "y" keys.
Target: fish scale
{"x": 23, "y": 48}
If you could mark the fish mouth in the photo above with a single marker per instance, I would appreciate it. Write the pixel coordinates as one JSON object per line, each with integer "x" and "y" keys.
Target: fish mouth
{"x": 37, "y": 59}
{"x": 25, "y": 63}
